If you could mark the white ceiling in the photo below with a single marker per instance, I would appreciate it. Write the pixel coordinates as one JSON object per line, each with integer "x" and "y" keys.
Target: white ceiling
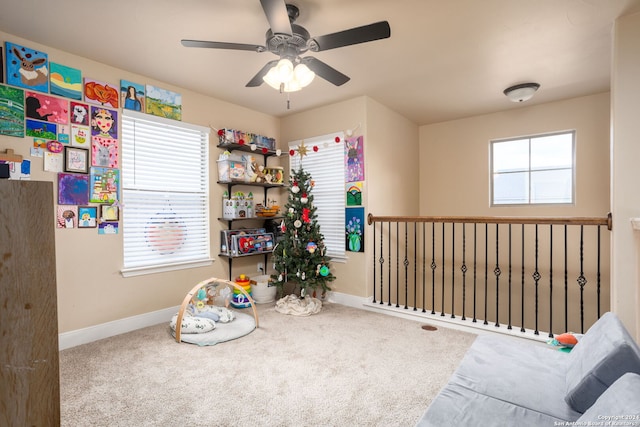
{"x": 445, "y": 59}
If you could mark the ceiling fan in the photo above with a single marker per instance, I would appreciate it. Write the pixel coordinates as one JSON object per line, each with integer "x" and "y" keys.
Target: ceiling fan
{"x": 288, "y": 41}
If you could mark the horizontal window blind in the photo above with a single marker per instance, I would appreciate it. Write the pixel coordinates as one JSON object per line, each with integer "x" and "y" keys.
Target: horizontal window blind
{"x": 165, "y": 192}
{"x": 326, "y": 167}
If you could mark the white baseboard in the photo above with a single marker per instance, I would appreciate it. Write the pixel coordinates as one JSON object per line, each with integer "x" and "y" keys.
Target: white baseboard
{"x": 116, "y": 327}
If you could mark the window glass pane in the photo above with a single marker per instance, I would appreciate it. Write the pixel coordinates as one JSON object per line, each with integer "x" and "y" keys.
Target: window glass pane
{"x": 511, "y": 156}
{"x": 553, "y": 151}
{"x": 551, "y": 186}
{"x": 511, "y": 188}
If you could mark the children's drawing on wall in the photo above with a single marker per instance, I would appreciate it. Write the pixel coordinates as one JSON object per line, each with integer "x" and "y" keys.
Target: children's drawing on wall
{"x": 87, "y": 216}
{"x": 108, "y": 228}
{"x": 65, "y": 81}
{"x": 80, "y": 136}
{"x": 354, "y": 193}
{"x": 354, "y": 230}
{"x": 79, "y": 113}
{"x": 353, "y": 151}
{"x": 105, "y": 185}
{"x": 11, "y": 111}
{"x": 73, "y": 189}
{"x": 63, "y": 134}
{"x": 101, "y": 93}
{"x": 109, "y": 213}
{"x": 104, "y": 134}
{"x": 1, "y": 66}
{"x": 132, "y": 95}
{"x": 46, "y": 108}
{"x": 27, "y": 68}
{"x": 67, "y": 216}
{"x": 163, "y": 103}
{"x": 38, "y": 129}
{"x": 53, "y": 162}
{"x": 39, "y": 147}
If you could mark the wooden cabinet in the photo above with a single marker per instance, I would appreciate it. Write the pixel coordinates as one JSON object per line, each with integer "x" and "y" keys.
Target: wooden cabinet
{"x": 29, "y": 356}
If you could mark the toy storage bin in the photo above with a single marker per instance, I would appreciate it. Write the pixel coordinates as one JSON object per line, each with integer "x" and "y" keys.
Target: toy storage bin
{"x": 262, "y": 290}
{"x": 232, "y": 170}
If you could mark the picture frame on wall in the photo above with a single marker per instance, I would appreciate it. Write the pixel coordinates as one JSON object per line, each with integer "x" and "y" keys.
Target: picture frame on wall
{"x": 76, "y": 160}
{"x": 109, "y": 213}
{"x": 87, "y": 216}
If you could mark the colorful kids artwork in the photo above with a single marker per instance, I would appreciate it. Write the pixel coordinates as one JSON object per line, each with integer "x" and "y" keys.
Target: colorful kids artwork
{"x": 73, "y": 189}
{"x": 63, "y": 134}
{"x": 1, "y": 66}
{"x": 108, "y": 228}
{"x": 27, "y": 68}
{"x": 65, "y": 81}
{"x": 80, "y": 136}
{"x": 105, "y": 185}
{"x": 38, "y": 129}
{"x": 11, "y": 111}
{"x": 354, "y": 193}
{"x": 132, "y": 95}
{"x": 104, "y": 137}
{"x": 354, "y": 230}
{"x": 46, "y": 108}
{"x": 79, "y": 113}
{"x": 67, "y": 216}
{"x": 354, "y": 158}
{"x": 100, "y": 93}
{"x": 87, "y": 216}
{"x": 163, "y": 103}
{"x": 53, "y": 162}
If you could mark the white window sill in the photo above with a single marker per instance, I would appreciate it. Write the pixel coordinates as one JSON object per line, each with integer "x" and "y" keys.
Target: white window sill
{"x": 139, "y": 271}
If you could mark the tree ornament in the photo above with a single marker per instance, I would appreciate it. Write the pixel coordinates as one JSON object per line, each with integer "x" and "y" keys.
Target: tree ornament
{"x": 295, "y": 189}
{"x": 303, "y": 276}
{"x": 304, "y": 198}
{"x": 291, "y": 210}
{"x": 324, "y": 271}
{"x": 305, "y": 215}
{"x": 312, "y": 183}
{"x": 311, "y": 247}
{"x": 302, "y": 150}
{"x": 297, "y": 223}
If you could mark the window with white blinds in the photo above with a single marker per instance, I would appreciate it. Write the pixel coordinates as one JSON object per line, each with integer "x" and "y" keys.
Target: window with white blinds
{"x": 165, "y": 194}
{"x": 326, "y": 167}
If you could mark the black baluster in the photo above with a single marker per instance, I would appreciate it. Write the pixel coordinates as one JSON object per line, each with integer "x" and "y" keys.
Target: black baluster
{"x": 453, "y": 268}
{"x": 566, "y": 282}
{"x": 497, "y": 273}
{"x": 486, "y": 271}
{"x": 415, "y": 266}
{"x": 522, "y": 291}
{"x": 381, "y": 261}
{"x": 598, "y": 274}
{"x": 464, "y": 270}
{"x": 424, "y": 267}
{"x": 374, "y": 265}
{"x": 397, "y": 265}
{"x": 405, "y": 263}
{"x": 509, "y": 322}
{"x": 433, "y": 268}
{"x": 582, "y": 281}
{"x": 443, "y": 265}
{"x": 550, "y": 280}
{"x": 389, "y": 269}
{"x": 475, "y": 264}
{"x": 536, "y": 278}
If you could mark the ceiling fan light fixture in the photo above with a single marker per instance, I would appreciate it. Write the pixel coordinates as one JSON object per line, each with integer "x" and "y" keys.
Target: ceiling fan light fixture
{"x": 284, "y": 69}
{"x": 303, "y": 75}
{"x": 521, "y": 92}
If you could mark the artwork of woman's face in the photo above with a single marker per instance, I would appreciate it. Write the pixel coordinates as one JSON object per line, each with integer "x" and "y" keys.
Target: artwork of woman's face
{"x": 102, "y": 120}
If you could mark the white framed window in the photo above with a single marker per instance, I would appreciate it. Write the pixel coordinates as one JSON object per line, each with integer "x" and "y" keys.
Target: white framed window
{"x": 533, "y": 170}
{"x": 326, "y": 167}
{"x": 165, "y": 194}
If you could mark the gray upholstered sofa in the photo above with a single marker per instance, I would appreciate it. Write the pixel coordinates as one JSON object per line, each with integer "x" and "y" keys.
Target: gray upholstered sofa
{"x": 507, "y": 382}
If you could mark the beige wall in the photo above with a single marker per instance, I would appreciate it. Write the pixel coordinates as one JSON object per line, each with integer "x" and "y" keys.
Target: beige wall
{"x": 91, "y": 290}
{"x": 625, "y": 154}
{"x": 454, "y": 158}
{"x": 391, "y": 169}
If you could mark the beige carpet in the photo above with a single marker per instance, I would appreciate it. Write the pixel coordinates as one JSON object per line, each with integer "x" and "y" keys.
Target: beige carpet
{"x": 343, "y": 366}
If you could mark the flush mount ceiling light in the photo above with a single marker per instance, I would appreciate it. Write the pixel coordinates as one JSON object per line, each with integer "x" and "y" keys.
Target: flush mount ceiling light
{"x": 521, "y": 92}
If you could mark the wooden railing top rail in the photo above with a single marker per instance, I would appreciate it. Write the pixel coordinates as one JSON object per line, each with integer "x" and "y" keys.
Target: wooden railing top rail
{"x": 497, "y": 220}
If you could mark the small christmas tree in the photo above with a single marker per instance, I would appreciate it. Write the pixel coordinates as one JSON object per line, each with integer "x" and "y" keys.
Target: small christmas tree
{"x": 299, "y": 257}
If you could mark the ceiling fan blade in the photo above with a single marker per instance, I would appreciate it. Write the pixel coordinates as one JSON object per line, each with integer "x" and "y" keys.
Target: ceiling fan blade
{"x": 257, "y": 79}
{"x": 325, "y": 71}
{"x": 276, "y": 12}
{"x": 223, "y": 45}
{"x": 366, "y": 33}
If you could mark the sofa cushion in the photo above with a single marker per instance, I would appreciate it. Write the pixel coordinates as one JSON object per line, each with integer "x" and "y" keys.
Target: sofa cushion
{"x": 603, "y": 355}
{"x": 527, "y": 374}
{"x": 619, "y": 404}
{"x": 456, "y": 406}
